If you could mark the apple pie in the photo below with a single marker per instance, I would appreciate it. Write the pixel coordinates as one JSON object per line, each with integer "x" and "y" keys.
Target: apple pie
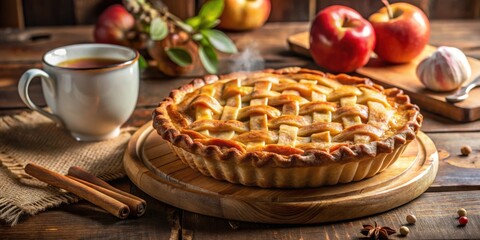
{"x": 287, "y": 128}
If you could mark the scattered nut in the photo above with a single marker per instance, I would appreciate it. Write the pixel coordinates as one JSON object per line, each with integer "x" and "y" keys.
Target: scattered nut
{"x": 411, "y": 219}
{"x": 404, "y": 230}
{"x": 462, "y": 212}
{"x": 466, "y": 150}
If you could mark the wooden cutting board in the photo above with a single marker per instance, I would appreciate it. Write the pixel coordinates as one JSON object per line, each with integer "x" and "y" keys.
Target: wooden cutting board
{"x": 403, "y": 76}
{"x": 151, "y": 165}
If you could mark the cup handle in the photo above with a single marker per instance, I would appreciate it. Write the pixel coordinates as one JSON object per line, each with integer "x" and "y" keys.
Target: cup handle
{"x": 23, "y": 85}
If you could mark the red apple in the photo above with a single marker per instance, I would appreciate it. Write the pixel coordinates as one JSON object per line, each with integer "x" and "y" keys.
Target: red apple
{"x": 113, "y": 24}
{"x": 241, "y": 15}
{"x": 401, "y": 36}
{"x": 341, "y": 40}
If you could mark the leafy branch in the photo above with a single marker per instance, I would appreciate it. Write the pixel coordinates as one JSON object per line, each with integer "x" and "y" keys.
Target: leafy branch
{"x": 155, "y": 22}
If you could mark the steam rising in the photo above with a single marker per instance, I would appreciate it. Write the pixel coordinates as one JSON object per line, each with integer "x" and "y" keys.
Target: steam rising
{"x": 249, "y": 59}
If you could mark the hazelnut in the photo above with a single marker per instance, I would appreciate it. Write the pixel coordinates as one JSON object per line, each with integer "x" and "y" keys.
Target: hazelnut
{"x": 462, "y": 212}
{"x": 404, "y": 230}
{"x": 411, "y": 219}
{"x": 466, "y": 150}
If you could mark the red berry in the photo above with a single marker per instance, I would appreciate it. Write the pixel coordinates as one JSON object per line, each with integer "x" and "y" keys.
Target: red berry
{"x": 463, "y": 220}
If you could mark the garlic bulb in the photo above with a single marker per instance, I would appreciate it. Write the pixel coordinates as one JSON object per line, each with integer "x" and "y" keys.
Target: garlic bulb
{"x": 446, "y": 69}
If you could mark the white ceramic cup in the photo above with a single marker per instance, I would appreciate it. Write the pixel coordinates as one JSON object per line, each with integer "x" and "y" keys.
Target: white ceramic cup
{"x": 91, "y": 103}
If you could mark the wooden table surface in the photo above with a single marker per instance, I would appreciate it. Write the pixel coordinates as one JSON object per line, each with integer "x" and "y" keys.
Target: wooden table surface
{"x": 456, "y": 185}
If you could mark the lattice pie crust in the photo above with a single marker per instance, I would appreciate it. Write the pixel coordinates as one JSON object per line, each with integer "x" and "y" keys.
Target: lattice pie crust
{"x": 287, "y": 128}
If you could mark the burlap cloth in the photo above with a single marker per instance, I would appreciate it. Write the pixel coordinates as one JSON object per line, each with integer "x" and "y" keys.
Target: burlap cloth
{"x": 33, "y": 138}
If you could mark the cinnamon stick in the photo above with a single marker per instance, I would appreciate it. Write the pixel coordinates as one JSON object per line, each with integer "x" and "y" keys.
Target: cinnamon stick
{"x": 98, "y": 198}
{"x": 137, "y": 207}
{"x": 86, "y": 176}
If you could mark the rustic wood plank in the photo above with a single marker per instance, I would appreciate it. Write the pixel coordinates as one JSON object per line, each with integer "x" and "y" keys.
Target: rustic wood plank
{"x": 289, "y": 10}
{"x": 436, "y": 123}
{"x": 29, "y": 46}
{"x": 450, "y": 176}
{"x": 11, "y": 14}
{"x": 181, "y": 8}
{"x": 283, "y": 10}
{"x": 462, "y": 34}
{"x": 453, "y": 9}
{"x": 477, "y": 9}
{"x": 446, "y": 9}
{"x": 9, "y": 94}
{"x": 88, "y": 11}
{"x": 367, "y": 7}
{"x": 436, "y": 219}
{"x": 139, "y": 117}
{"x": 53, "y": 12}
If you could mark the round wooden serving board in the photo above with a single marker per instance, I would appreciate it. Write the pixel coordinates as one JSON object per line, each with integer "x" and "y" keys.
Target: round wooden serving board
{"x": 157, "y": 171}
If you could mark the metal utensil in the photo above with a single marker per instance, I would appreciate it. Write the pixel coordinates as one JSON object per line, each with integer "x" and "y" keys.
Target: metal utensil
{"x": 462, "y": 93}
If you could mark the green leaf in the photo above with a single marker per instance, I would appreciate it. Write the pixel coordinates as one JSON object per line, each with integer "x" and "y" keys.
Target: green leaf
{"x": 194, "y": 22}
{"x": 208, "y": 57}
{"x": 158, "y": 29}
{"x": 207, "y": 24}
{"x": 142, "y": 63}
{"x": 197, "y": 37}
{"x": 219, "y": 40}
{"x": 187, "y": 28}
{"x": 211, "y": 10}
{"x": 179, "y": 56}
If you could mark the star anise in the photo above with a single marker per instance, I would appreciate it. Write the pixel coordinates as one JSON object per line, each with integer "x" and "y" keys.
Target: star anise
{"x": 377, "y": 231}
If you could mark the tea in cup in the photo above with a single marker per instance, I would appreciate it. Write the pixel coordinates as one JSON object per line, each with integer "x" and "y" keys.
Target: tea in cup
{"x": 91, "y": 89}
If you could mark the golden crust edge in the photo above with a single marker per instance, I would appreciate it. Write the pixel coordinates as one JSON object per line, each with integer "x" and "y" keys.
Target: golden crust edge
{"x": 342, "y": 155}
{"x": 296, "y": 177}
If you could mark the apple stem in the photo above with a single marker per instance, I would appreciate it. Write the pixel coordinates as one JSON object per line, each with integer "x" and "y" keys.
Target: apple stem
{"x": 389, "y": 9}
